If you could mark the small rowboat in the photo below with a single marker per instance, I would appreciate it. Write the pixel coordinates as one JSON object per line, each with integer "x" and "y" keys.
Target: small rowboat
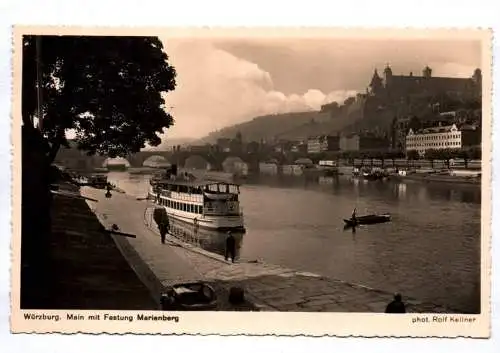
{"x": 196, "y": 296}
{"x": 370, "y": 219}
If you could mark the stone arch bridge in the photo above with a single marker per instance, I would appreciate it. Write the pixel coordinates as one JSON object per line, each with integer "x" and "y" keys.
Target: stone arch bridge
{"x": 75, "y": 159}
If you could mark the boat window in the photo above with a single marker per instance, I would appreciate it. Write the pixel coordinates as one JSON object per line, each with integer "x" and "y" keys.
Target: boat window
{"x": 200, "y": 209}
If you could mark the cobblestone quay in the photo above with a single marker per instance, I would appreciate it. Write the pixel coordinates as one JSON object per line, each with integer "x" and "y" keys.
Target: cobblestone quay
{"x": 269, "y": 287}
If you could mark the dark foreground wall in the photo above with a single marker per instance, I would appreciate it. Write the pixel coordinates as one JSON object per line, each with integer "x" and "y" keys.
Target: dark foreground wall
{"x": 85, "y": 268}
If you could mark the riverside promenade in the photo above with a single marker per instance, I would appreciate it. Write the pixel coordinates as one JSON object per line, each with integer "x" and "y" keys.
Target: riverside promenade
{"x": 268, "y": 287}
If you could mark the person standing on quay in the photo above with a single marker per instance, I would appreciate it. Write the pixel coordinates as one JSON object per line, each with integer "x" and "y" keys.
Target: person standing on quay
{"x": 230, "y": 247}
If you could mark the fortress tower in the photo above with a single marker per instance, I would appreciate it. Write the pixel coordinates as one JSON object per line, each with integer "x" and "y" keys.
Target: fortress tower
{"x": 387, "y": 76}
{"x": 427, "y": 72}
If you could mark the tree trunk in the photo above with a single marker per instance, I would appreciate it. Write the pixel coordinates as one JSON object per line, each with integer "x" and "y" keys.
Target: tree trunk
{"x": 36, "y": 205}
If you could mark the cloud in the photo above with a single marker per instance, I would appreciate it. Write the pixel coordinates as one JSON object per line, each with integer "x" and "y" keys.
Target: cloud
{"x": 216, "y": 89}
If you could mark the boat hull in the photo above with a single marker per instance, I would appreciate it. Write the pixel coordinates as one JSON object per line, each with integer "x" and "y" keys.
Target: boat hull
{"x": 232, "y": 223}
{"x": 371, "y": 219}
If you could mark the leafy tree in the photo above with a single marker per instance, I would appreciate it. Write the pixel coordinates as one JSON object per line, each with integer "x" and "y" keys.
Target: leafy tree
{"x": 448, "y": 154}
{"x": 431, "y": 155}
{"x": 415, "y": 124}
{"x": 347, "y": 156}
{"x": 476, "y": 153}
{"x": 393, "y": 155}
{"x": 465, "y": 154}
{"x": 108, "y": 89}
{"x": 412, "y": 155}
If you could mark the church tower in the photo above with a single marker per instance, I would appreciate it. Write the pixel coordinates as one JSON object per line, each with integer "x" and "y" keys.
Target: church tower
{"x": 376, "y": 85}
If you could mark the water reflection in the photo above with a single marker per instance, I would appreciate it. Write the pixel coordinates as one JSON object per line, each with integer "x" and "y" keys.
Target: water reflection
{"x": 209, "y": 240}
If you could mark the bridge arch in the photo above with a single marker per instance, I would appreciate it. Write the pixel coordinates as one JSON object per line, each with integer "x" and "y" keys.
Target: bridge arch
{"x": 116, "y": 162}
{"x": 156, "y": 161}
{"x": 234, "y": 164}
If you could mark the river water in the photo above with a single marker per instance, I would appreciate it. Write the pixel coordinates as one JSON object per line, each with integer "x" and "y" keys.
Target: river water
{"x": 430, "y": 250}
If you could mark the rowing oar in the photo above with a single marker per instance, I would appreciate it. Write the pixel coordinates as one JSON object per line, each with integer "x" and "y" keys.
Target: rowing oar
{"x": 121, "y": 233}
{"x": 72, "y": 195}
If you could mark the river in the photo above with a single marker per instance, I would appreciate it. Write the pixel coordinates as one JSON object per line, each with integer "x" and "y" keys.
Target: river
{"x": 430, "y": 251}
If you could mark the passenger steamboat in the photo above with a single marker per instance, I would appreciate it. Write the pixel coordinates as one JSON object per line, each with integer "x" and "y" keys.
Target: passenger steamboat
{"x": 203, "y": 203}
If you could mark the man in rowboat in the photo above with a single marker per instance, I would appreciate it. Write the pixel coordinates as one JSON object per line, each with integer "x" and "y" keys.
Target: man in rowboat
{"x": 353, "y": 217}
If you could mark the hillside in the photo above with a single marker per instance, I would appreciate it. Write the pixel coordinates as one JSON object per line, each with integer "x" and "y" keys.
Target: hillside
{"x": 363, "y": 113}
{"x": 291, "y": 126}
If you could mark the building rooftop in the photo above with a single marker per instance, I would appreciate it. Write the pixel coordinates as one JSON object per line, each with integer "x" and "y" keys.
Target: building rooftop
{"x": 434, "y": 130}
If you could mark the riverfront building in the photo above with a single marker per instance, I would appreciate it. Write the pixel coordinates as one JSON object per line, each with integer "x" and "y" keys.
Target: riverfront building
{"x": 443, "y": 137}
{"x": 320, "y": 144}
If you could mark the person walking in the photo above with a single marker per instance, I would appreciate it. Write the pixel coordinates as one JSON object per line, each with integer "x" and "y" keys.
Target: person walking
{"x": 163, "y": 227}
{"x": 396, "y": 306}
{"x": 230, "y": 247}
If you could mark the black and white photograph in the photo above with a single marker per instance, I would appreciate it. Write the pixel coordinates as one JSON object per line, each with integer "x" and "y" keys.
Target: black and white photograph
{"x": 229, "y": 172}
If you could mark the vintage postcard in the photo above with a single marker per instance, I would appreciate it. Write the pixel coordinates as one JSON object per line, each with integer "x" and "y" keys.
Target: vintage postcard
{"x": 291, "y": 181}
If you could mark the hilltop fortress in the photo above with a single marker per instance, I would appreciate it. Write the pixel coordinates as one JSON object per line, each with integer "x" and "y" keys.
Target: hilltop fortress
{"x": 399, "y": 96}
{"x": 394, "y": 86}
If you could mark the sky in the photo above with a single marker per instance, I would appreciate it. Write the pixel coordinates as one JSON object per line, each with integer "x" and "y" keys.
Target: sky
{"x": 221, "y": 82}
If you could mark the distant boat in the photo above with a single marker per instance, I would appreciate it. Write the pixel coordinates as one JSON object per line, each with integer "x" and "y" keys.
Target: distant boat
{"x": 369, "y": 219}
